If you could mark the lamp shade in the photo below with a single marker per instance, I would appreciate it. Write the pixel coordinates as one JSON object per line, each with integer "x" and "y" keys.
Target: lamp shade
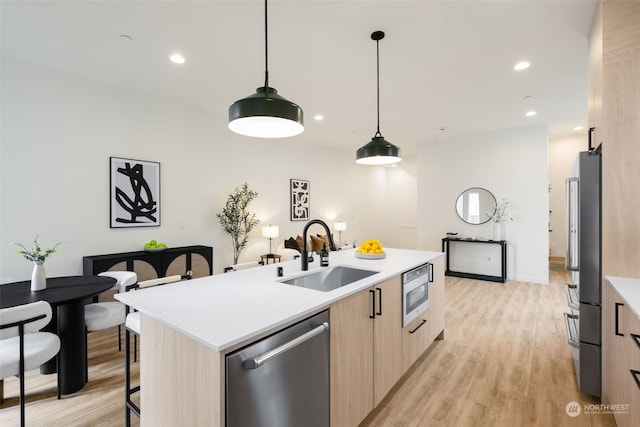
{"x": 378, "y": 152}
{"x": 270, "y": 231}
{"x": 340, "y": 226}
{"x": 265, "y": 114}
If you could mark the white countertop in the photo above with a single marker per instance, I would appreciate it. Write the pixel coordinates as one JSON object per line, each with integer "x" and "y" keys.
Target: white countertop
{"x": 223, "y": 310}
{"x": 629, "y": 289}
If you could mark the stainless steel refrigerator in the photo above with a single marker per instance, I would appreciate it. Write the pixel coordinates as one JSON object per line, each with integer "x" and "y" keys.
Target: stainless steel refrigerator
{"x": 583, "y": 258}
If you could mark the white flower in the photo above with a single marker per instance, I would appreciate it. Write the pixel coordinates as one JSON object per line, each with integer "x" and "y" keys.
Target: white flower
{"x": 502, "y": 212}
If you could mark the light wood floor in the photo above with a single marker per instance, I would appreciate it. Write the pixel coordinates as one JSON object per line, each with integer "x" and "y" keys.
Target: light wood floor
{"x": 504, "y": 362}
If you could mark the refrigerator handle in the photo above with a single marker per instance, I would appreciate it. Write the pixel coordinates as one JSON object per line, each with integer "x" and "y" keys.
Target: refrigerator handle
{"x": 571, "y": 240}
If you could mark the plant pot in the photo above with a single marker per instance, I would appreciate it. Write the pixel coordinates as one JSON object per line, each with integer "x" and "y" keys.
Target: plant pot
{"x": 38, "y": 277}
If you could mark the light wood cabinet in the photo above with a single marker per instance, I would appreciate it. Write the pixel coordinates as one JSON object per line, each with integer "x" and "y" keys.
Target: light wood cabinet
{"x": 370, "y": 350}
{"x": 422, "y": 331}
{"x": 387, "y": 338}
{"x": 621, "y": 356}
{"x": 633, "y": 348}
{"x": 415, "y": 339}
{"x": 436, "y": 301}
{"x": 365, "y": 350}
{"x": 351, "y": 359}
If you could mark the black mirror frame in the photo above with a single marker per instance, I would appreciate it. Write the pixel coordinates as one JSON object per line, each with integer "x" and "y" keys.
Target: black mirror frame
{"x": 495, "y": 204}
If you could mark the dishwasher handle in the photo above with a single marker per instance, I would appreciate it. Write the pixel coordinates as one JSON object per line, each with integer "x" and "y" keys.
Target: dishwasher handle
{"x": 260, "y": 360}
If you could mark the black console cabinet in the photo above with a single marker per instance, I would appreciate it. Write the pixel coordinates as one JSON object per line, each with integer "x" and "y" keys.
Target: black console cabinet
{"x": 150, "y": 265}
{"x": 503, "y": 245}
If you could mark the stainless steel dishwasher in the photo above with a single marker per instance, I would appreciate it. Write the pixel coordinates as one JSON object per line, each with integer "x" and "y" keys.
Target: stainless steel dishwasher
{"x": 281, "y": 380}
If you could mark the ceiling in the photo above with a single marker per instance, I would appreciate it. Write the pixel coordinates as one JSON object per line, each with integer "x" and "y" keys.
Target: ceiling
{"x": 443, "y": 64}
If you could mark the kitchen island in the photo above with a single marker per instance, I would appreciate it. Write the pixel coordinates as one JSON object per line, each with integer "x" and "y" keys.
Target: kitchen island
{"x": 189, "y": 327}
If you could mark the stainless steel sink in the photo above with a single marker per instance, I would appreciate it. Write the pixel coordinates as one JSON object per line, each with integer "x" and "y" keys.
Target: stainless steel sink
{"x": 330, "y": 278}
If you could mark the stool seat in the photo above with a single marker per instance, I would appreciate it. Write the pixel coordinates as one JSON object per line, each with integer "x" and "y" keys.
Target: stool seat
{"x": 134, "y": 322}
{"x": 123, "y": 278}
{"x": 103, "y": 315}
{"x": 39, "y": 347}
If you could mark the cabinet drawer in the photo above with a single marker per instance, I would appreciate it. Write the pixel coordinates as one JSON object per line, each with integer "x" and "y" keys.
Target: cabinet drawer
{"x": 415, "y": 339}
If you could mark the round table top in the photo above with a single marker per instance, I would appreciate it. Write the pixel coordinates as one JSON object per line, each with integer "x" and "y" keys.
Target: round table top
{"x": 60, "y": 290}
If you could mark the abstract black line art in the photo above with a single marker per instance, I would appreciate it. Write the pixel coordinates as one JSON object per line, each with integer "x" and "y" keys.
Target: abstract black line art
{"x": 300, "y": 200}
{"x": 142, "y": 204}
{"x": 135, "y": 193}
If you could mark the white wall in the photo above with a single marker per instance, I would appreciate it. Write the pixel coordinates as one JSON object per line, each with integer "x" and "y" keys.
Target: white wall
{"x": 510, "y": 163}
{"x": 56, "y": 139}
{"x": 58, "y": 133}
{"x": 562, "y": 154}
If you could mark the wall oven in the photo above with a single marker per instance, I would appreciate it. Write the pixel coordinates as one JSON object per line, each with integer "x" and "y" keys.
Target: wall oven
{"x": 415, "y": 292}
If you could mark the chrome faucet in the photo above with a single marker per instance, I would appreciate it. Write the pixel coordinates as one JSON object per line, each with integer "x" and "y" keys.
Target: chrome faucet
{"x": 304, "y": 259}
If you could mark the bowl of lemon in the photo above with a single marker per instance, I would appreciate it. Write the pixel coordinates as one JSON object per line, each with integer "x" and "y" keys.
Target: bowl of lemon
{"x": 371, "y": 249}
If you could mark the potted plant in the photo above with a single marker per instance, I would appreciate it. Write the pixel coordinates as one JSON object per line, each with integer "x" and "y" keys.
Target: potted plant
{"x": 501, "y": 215}
{"x": 237, "y": 220}
{"x": 37, "y": 256}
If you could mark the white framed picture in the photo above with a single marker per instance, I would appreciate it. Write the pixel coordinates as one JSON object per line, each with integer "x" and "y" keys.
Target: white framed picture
{"x": 300, "y": 200}
{"x": 135, "y": 193}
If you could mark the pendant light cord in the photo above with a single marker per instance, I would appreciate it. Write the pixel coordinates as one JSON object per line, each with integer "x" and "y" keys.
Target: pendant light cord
{"x": 378, "y": 84}
{"x": 266, "y": 48}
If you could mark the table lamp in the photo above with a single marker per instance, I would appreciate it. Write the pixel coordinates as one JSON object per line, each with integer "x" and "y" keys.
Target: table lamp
{"x": 340, "y": 227}
{"x": 270, "y": 232}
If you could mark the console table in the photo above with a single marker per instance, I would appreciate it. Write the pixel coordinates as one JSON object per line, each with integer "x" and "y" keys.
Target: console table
{"x": 150, "y": 265}
{"x": 503, "y": 250}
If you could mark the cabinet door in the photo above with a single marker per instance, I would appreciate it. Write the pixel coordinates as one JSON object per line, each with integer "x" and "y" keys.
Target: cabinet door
{"x": 387, "y": 339}
{"x": 415, "y": 339}
{"x": 634, "y": 361}
{"x": 436, "y": 301}
{"x": 351, "y": 359}
{"x": 615, "y": 366}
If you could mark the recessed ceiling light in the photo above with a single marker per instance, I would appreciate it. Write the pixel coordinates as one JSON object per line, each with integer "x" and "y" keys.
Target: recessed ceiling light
{"x": 176, "y": 58}
{"x": 318, "y": 117}
{"x": 530, "y": 113}
{"x": 522, "y": 65}
{"x": 578, "y": 128}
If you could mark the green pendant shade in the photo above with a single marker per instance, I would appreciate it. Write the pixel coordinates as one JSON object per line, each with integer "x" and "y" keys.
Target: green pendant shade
{"x": 265, "y": 114}
{"x": 378, "y": 151}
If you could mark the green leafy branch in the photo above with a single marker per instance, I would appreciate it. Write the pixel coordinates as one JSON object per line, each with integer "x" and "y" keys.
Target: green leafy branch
{"x": 36, "y": 253}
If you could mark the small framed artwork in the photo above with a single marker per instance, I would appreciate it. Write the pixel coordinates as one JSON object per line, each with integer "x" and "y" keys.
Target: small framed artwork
{"x": 300, "y": 200}
{"x": 135, "y": 193}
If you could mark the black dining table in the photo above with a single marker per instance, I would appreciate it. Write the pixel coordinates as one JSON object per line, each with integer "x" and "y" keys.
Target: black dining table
{"x": 67, "y": 296}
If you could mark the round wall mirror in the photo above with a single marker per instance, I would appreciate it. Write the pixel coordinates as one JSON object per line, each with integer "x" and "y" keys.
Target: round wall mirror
{"x": 476, "y": 205}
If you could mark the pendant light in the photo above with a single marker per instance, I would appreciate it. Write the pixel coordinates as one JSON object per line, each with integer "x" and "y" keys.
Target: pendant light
{"x": 265, "y": 114}
{"x": 378, "y": 151}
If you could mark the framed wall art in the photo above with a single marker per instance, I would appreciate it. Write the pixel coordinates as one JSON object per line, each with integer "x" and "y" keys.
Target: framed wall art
{"x": 135, "y": 193}
{"x": 300, "y": 200}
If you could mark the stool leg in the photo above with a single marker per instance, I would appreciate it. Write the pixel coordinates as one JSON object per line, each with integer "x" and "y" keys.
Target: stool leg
{"x": 127, "y": 378}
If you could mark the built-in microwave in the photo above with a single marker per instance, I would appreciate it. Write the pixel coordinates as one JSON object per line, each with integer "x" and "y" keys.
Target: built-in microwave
{"x": 415, "y": 292}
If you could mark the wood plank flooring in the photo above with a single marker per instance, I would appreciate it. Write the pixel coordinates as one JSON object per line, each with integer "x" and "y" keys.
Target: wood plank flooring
{"x": 504, "y": 362}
